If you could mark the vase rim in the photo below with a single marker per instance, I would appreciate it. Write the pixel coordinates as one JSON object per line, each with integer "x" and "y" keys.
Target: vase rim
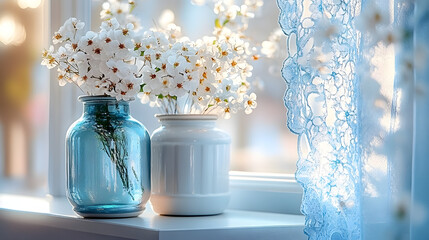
{"x": 186, "y": 116}
{"x": 97, "y": 98}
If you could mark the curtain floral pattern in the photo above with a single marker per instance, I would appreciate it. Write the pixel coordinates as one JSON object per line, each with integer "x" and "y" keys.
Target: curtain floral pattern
{"x": 350, "y": 75}
{"x": 321, "y": 78}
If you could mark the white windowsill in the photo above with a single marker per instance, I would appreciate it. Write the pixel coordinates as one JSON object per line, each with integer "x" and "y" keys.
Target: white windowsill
{"x": 56, "y": 215}
{"x": 280, "y": 193}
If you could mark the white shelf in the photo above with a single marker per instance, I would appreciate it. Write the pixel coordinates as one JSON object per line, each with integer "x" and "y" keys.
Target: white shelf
{"x": 56, "y": 213}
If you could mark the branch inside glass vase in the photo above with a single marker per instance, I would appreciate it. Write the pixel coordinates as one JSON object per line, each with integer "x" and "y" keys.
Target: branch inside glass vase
{"x": 114, "y": 144}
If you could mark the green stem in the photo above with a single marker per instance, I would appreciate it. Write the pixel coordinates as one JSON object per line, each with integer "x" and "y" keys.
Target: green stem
{"x": 114, "y": 143}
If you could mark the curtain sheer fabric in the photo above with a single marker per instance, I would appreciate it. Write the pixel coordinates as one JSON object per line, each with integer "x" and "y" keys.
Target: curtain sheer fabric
{"x": 354, "y": 72}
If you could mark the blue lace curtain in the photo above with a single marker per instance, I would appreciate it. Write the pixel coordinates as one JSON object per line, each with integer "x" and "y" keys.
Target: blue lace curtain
{"x": 354, "y": 71}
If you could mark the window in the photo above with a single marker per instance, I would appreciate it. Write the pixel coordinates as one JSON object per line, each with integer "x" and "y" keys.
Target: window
{"x": 24, "y": 98}
{"x": 263, "y": 149}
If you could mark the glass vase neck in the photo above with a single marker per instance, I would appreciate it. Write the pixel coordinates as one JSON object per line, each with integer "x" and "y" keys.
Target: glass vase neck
{"x": 104, "y": 105}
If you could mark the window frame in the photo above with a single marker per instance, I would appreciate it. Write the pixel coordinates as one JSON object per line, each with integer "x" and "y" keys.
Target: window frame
{"x": 265, "y": 192}
{"x": 63, "y": 106}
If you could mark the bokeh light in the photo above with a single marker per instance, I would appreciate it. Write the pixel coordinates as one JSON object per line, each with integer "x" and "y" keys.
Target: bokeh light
{"x": 28, "y": 3}
{"x": 11, "y": 31}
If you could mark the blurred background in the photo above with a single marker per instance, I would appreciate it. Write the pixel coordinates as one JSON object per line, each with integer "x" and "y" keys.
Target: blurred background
{"x": 24, "y": 92}
{"x": 261, "y": 140}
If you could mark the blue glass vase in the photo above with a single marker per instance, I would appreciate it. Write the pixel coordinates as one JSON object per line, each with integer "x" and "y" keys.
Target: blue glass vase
{"x": 108, "y": 160}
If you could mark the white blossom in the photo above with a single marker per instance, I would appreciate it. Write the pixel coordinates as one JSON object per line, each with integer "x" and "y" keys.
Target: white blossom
{"x": 99, "y": 63}
{"x": 121, "y": 11}
{"x": 373, "y": 18}
{"x": 250, "y": 103}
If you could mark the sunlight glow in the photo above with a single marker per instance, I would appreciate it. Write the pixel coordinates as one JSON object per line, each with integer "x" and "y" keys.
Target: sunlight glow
{"x": 28, "y": 3}
{"x": 11, "y": 31}
{"x": 384, "y": 74}
{"x": 23, "y": 203}
{"x": 166, "y": 18}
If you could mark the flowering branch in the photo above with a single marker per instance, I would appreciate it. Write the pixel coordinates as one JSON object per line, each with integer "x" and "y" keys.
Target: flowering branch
{"x": 99, "y": 63}
{"x": 208, "y": 75}
{"x": 170, "y": 71}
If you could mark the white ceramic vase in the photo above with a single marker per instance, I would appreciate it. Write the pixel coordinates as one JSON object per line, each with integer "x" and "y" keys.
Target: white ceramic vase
{"x": 189, "y": 166}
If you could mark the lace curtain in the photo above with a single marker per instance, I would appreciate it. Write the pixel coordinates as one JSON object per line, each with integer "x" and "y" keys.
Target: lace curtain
{"x": 353, "y": 71}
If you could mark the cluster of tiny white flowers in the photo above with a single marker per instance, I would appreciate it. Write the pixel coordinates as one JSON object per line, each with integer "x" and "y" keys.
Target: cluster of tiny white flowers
{"x": 376, "y": 25}
{"x": 375, "y": 22}
{"x": 99, "y": 63}
{"x": 122, "y": 11}
{"x": 205, "y": 76}
{"x": 208, "y": 75}
{"x": 271, "y": 48}
{"x": 237, "y": 15}
{"x": 169, "y": 71}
